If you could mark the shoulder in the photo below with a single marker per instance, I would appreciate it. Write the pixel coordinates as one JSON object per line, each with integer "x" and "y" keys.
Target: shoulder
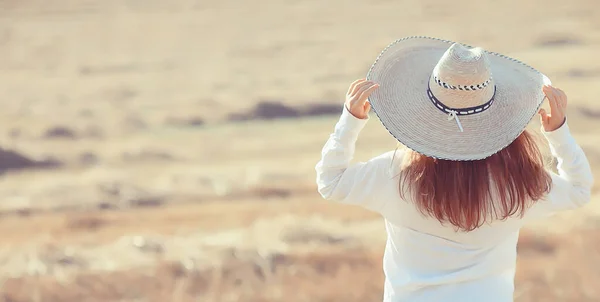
{"x": 392, "y": 156}
{"x": 389, "y": 161}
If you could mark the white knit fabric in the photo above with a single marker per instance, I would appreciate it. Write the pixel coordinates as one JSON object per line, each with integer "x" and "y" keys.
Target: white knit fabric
{"x": 425, "y": 261}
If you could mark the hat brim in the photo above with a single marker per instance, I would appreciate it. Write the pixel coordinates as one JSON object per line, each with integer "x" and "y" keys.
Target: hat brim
{"x": 401, "y": 103}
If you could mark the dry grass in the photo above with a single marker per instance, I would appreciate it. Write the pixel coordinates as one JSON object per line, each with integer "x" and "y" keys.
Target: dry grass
{"x": 551, "y": 268}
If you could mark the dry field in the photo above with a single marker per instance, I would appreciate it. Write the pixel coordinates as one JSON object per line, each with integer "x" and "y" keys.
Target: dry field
{"x": 163, "y": 150}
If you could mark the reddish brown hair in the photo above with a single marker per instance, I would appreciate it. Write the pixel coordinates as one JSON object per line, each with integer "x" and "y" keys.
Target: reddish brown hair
{"x": 460, "y": 192}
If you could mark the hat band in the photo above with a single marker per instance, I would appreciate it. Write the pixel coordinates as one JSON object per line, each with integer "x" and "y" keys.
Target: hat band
{"x": 459, "y": 111}
{"x": 461, "y": 87}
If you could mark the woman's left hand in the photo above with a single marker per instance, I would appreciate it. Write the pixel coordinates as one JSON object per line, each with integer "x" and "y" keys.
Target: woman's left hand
{"x": 356, "y": 98}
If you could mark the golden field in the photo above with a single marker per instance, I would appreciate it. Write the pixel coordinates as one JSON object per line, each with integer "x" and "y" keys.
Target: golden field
{"x": 164, "y": 150}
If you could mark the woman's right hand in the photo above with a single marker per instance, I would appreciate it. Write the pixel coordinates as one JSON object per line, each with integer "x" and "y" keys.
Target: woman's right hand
{"x": 558, "y": 108}
{"x": 357, "y": 98}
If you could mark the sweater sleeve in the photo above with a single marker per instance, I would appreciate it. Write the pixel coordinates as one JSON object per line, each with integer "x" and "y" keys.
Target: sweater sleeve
{"x": 571, "y": 187}
{"x": 359, "y": 183}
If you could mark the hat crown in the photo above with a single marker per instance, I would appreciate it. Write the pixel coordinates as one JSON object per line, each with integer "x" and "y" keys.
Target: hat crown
{"x": 462, "y": 78}
{"x": 463, "y": 66}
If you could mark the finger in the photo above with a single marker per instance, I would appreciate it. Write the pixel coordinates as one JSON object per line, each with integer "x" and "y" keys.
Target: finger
{"x": 358, "y": 86}
{"x": 560, "y": 104}
{"x": 543, "y": 115}
{"x": 355, "y": 84}
{"x": 361, "y": 88}
{"x": 552, "y": 99}
{"x": 563, "y": 98}
{"x": 566, "y": 98}
{"x": 365, "y": 94}
{"x": 367, "y": 107}
{"x": 351, "y": 88}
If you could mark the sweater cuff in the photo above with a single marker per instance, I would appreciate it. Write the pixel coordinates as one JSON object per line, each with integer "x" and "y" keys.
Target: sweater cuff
{"x": 349, "y": 124}
{"x": 560, "y": 136}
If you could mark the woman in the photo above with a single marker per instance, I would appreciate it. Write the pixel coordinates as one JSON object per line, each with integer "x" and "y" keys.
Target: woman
{"x": 454, "y": 200}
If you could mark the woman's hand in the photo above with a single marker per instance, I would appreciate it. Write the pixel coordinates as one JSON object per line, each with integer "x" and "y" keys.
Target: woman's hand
{"x": 558, "y": 108}
{"x": 356, "y": 98}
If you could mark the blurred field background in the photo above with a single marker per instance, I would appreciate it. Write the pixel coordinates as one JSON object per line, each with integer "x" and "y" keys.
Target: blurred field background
{"x": 164, "y": 150}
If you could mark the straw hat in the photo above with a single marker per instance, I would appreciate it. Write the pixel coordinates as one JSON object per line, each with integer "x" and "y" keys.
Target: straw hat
{"x": 452, "y": 101}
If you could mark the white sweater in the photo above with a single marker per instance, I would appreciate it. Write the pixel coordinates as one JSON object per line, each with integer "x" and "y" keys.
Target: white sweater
{"x": 425, "y": 260}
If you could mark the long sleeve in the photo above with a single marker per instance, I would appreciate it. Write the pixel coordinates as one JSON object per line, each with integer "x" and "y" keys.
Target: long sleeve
{"x": 571, "y": 187}
{"x": 359, "y": 183}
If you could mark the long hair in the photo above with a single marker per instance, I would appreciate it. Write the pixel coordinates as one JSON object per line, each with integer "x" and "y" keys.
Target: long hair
{"x": 468, "y": 193}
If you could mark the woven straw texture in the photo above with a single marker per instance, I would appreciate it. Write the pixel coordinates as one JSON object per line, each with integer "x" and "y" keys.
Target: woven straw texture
{"x": 404, "y": 72}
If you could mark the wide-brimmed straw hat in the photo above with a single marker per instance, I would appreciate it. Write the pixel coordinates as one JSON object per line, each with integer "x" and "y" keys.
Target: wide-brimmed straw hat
{"x": 452, "y": 101}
